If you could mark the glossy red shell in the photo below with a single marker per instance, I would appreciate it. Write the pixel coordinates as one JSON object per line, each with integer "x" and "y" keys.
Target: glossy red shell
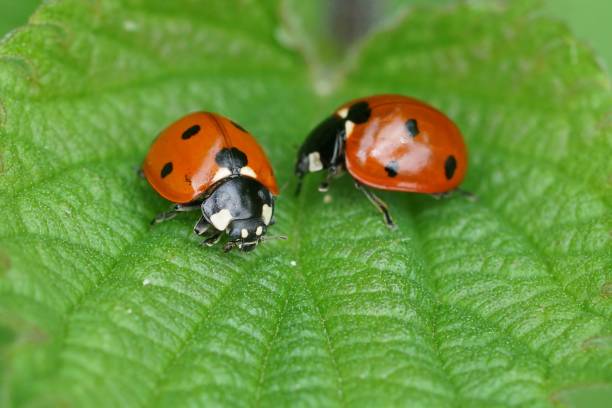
{"x": 383, "y": 153}
{"x": 191, "y": 160}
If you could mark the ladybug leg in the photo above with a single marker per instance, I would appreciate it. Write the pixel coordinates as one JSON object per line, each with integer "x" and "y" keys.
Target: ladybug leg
{"x": 175, "y": 209}
{"x": 324, "y": 186}
{"x": 229, "y": 246}
{"x": 201, "y": 227}
{"x": 467, "y": 194}
{"x": 139, "y": 172}
{"x": 439, "y": 196}
{"x": 378, "y": 203}
{"x": 213, "y": 239}
{"x": 332, "y": 173}
{"x": 335, "y": 163}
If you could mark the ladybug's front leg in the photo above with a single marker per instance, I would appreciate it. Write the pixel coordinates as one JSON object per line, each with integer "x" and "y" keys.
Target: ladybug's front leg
{"x": 332, "y": 173}
{"x": 201, "y": 227}
{"x": 213, "y": 239}
{"x": 175, "y": 209}
{"x": 336, "y": 164}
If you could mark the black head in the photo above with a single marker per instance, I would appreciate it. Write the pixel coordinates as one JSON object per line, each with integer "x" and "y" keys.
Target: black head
{"x": 316, "y": 152}
{"x": 246, "y": 234}
{"x": 324, "y": 146}
{"x": 243, "y": 208}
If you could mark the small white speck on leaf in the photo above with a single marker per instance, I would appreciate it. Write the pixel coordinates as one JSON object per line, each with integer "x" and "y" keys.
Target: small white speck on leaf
{"x": 293, "y": 263}
{"x": 327, "y": 198}
{"x": 129, "y": 25}
{"x": 146, "y": 282}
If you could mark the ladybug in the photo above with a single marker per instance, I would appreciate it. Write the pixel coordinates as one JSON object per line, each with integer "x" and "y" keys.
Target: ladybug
{"x": 387, "y": 142}
{"x": 205, "y": 161}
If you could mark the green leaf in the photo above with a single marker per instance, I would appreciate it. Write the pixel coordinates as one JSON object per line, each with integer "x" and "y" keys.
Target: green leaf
{"x": 500, "y": 302}
{"x": 15, "y": 13}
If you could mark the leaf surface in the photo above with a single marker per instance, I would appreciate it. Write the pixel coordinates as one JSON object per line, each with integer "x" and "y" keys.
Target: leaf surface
{"x": 500, "y": 302}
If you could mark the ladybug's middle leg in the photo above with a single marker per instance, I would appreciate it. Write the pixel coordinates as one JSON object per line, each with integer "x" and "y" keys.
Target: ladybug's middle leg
{"x": 378, "y": 203}
{"x": 174, "y": 210}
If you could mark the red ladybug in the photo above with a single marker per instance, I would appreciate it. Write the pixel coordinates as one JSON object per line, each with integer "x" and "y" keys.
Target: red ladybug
{"x": 205, "y": 161}
{"x": 388, "y": 142}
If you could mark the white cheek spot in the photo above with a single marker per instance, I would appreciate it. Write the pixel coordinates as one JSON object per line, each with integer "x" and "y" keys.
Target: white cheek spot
{"x": 348, "y": 128}
{"x": 343, "y": 113}
{"x": 221, "y": 219}
{"x": 266, "y": 213}
{"x": 314, "y": 162}
{"x": 244, "y": 233}
{"x": 222, "y": 173}
{"x": 247, "y": 171}
{"x": 259, "y": 230}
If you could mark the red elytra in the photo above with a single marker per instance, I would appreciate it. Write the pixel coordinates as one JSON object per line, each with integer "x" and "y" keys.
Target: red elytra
{"x": 405, "y": 145}
{"x": 181, "y": 163}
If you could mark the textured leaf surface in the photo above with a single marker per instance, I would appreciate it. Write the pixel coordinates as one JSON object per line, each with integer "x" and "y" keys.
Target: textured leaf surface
{"x": 501, "y": 302}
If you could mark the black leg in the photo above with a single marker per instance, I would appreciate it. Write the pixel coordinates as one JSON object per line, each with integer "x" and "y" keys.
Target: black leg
{"x": 332, "y": 173}
{"x": 229, "y": 246}
{"x": 201, "y": 227}
{"x": 177, "y": 208}
{"x": 378, "y": 203}
{"x": 298, "y": 188}
{"x": 439, "y": 196}
{"x": 466, "y": 194}
{"x": 213, "y": 239}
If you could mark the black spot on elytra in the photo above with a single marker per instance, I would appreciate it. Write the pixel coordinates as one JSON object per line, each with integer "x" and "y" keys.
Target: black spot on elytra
{"x": 167, "y": 169}
{"x": 359, "y": 112}
{"x": 412, "y": 126}
{"x": 450, "y": 165}
{"x": 192, "y": 131}
{"x": 391, "y": 168}
{"x": 238, "y": 126}
{"x": 232, "y": 158}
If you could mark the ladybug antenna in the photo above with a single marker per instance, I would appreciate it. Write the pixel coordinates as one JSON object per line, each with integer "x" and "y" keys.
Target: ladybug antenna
{"x": 273, "y": 237}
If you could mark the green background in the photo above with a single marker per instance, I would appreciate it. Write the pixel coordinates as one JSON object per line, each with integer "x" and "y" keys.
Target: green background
{"x": 588, "y": 19}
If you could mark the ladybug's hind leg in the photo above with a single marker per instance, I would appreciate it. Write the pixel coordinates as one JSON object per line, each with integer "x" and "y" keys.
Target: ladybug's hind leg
{"x": 175, "y": 209}
{"x": 378, "y": 203}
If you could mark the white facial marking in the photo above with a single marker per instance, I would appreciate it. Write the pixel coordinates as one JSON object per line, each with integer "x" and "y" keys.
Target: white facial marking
{"x": 221, "y": 219}
{"x": 343, "y": 113}
{"x": 314, "y": 162}
{"x": 244, "y": 233}
{"x": 259, "y": 230}
{"x": 223, "y": 172}
{"x": 247, "y": 171}
{"x": 348, "y": 128}
{"x": 266, "y": 213}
